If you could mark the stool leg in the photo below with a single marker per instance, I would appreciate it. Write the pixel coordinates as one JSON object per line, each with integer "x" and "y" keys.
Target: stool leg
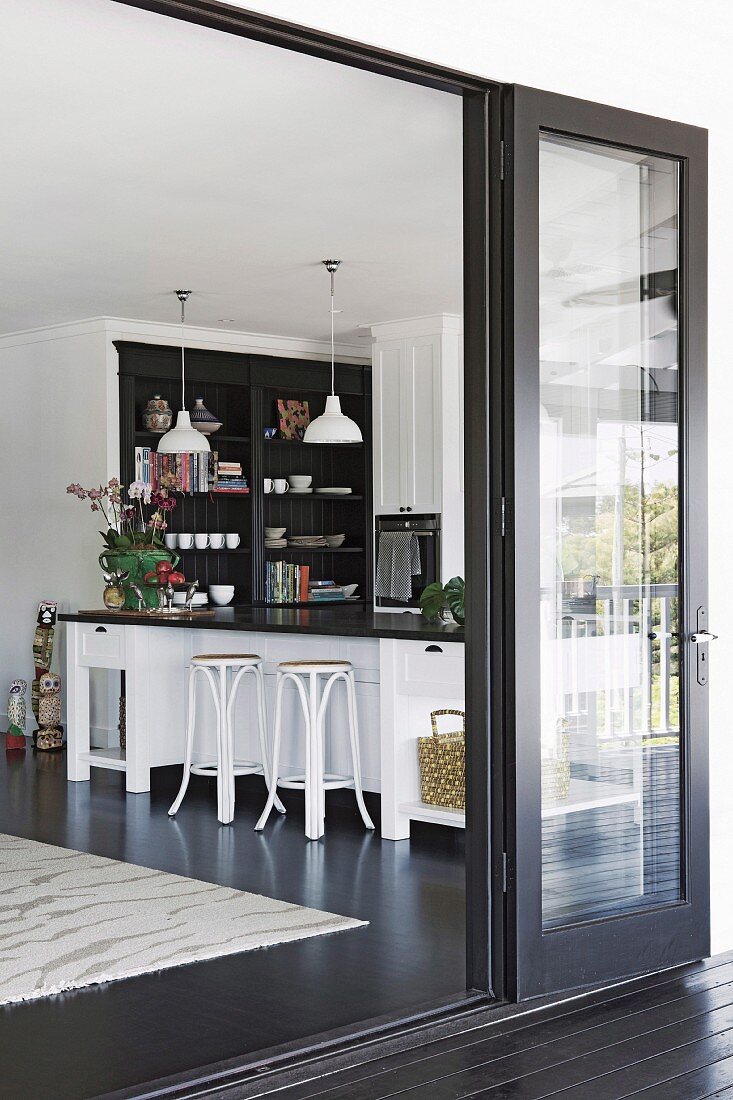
{"x": 264, "y": 747}
{"x": 272, "y": 793}
{"x": 313, "y": 767}
{"x": 188, "y": 750}
{"x": 355, "y": 754}
{"x": 224, "y": 776}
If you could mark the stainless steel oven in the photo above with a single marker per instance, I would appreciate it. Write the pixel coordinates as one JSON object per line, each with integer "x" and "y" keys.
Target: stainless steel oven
{"x": 422, "y": 568}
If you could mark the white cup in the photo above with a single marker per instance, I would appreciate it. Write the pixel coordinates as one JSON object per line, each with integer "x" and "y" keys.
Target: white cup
{"x": 216, "y": 541}
{"x": 185, "y": 542}
{"x": 281, "y": 485}
{"x": 269, "y": 484}
{"x": 221, "y": 594}
{"x": 232, "y": 540}
{"x": 299, "y": 481}
{"x": 171, "y": 541}
{"x": 201, "y": 542}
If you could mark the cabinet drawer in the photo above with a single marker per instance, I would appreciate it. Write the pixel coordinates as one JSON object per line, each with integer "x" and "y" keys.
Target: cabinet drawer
{"x": 431, "y": 669}
{"x": 100, "y": 646}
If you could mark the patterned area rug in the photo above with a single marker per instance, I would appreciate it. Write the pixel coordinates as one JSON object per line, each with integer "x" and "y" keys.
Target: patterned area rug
{"x": 70, "y": 919}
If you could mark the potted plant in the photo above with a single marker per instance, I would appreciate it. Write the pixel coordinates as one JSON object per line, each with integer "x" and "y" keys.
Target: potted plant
{"x": 438, "y": 600}
{"x": 133, "y": 541}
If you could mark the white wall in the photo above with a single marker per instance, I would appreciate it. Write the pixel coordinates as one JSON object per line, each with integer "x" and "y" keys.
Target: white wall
{"x": 54, "y": 432}
{"x": 668, "y": 58}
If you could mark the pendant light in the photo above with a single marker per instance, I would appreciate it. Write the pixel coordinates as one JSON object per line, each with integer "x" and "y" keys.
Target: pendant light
{"x": 184, "y": 437}
{"x": 332, "y": 426}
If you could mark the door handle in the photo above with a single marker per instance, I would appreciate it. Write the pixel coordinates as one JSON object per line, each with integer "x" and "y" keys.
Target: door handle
{"x": 702, "y": 637}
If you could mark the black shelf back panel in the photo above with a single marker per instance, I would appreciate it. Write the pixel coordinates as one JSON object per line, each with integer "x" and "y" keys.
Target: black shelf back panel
{"x": 242, "y": 390}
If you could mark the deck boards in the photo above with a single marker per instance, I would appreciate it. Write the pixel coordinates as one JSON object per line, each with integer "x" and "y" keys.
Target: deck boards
{"x": 667, "y": 1036}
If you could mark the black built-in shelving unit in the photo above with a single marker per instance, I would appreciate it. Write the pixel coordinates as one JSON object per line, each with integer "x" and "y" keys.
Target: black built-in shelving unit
{"x": 243, "y": 390}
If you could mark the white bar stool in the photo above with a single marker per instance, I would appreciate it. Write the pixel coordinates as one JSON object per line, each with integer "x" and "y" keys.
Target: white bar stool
{"x": 225, "y": 768}
{"x": 315, "y": 781}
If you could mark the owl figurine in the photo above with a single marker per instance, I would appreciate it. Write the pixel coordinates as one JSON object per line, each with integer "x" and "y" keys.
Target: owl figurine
{"x": 15, "y": 737}
{"x": 50, "y": 734}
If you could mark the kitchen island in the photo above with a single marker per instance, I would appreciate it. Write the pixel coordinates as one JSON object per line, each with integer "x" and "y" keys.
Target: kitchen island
{"x": 404, "y": 666}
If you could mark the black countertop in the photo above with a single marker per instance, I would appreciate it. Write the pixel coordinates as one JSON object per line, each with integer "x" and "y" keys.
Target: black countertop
{"x": 344, "y": 622}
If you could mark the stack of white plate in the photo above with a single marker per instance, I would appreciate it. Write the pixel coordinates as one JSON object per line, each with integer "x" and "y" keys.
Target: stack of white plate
{"x": 337, "y": 490}
{"x": 305, "y": 542}
{"x": 274, "y": 538}
{"x": 302, "y": 489}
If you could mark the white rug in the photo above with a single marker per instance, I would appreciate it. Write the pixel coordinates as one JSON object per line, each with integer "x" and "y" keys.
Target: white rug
{"x": 69, "y": 919}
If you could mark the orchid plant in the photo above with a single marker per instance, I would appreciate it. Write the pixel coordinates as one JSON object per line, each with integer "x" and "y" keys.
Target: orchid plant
{"x": 139, "y": 524}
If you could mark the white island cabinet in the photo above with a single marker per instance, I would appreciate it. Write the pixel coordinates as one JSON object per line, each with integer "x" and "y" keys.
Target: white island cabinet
{"x": 398, "y": 682}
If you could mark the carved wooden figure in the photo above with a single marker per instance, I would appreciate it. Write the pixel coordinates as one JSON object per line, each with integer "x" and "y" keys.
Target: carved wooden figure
{"x": 50, "y": 735}
{"x": 15, "y": 737}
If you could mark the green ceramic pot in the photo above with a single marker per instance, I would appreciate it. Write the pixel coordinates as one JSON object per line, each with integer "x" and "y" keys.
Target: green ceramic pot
{"x": 137, "y": 563}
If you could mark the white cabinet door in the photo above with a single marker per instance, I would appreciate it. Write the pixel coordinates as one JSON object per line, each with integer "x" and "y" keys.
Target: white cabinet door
{"x": 422, "y": 424}
{"x": 390, "y": 419}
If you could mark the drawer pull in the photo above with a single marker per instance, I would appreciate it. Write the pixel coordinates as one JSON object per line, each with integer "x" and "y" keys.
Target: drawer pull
{"x": 433, "y": 649}
{"x": 101, "y": 630}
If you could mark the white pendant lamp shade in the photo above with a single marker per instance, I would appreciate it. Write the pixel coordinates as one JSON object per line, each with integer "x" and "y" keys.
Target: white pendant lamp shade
{"x": 183, "y": 437}
{"x": 332, "y": 426}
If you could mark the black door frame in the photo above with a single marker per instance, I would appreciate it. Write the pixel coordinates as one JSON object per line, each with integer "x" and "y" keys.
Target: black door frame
{"x": 591, "y": 953}
{"x": 483, "y": 389}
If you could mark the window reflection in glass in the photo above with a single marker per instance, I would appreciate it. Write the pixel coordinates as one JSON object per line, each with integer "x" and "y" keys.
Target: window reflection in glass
{"x": 610, "y": 721}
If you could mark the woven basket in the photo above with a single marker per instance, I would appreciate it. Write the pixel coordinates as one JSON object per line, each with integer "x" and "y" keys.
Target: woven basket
{"x": 442, "y": 760}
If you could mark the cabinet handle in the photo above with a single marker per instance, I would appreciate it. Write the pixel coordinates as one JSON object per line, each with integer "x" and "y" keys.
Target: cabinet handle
{"x": 402, "y": 509}
{"x": 408, "y": 509}
{"x": 433, "y": 649}
{"x": 101, "y": 630}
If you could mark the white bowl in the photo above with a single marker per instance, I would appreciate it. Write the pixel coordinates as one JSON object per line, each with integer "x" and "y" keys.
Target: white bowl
{"x": 349, "y": 589}
{"x": 275, "y": 532}
{"x": 221, "y": 594}
{"x": 300, "y": 481}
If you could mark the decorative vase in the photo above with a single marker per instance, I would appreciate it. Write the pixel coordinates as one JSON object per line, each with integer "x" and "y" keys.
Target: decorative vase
{"x": 158, "y": 415}
{"x": 113, "y": 596}
{"x": 137, "y": 563}
{"x": 203, "y": 420}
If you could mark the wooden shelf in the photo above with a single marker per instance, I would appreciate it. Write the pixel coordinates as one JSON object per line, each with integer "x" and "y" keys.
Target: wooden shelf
{"x": 299, "y": 442}
{"x": 209, "y": 552}
{"x": 315, "y": 549}
{"x": 313, "y": 496}
{"x": 212, "y": 438}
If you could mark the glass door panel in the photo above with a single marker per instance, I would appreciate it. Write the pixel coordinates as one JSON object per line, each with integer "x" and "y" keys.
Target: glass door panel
{"x": 609, "y": 529}
{"x": 604, "y": 554}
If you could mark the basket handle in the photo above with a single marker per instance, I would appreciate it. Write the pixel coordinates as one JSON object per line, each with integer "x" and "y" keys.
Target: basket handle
{"x": 435, "y": 714}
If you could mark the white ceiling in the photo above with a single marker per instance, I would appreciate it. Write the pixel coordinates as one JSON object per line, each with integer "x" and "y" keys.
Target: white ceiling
{"x": 141, "y": 154}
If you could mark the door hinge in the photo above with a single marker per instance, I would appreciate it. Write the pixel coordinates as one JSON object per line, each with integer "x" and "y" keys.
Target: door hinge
{"x": 501, "y": 160}
{"x": 504, "y": 872}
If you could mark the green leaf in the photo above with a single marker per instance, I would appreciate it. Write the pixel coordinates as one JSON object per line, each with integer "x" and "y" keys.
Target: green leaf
{"x": 122, "y": 542}
{"x": 432, "y": 600}
{"x": 455, "y": 592}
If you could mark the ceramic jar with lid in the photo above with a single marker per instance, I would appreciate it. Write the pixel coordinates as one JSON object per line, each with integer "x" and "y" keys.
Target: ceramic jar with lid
{"x": 203, "y": 420}
{"x": 158, "y": 415}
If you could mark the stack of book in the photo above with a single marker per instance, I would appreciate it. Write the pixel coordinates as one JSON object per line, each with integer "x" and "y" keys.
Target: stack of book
{"x": 285, "y": 582}
{"x": 324, "y": 591}
{"x": 195, "y": 470}
{"x": 230, "y": 479}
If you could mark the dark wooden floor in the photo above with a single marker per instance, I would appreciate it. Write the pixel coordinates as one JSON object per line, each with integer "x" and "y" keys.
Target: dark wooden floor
{"x": 91, "y": 1041}
{"x": 669, "y": 1037}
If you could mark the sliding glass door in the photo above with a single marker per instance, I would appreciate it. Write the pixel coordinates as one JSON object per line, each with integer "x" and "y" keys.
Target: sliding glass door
{"x": 610, "y": 862}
